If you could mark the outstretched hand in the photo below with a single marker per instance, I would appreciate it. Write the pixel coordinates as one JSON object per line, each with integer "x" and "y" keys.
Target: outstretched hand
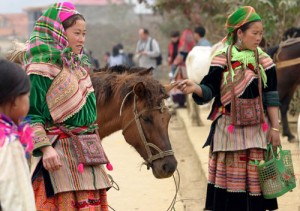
{"x": 187, "y": 86}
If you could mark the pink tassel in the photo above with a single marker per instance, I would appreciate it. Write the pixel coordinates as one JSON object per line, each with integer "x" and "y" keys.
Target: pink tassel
{"x": 29, "y": 147}
{"x": 2, "y": 137}
{"x": 80, "y": 168}
{"x": 109, "y": 167}
{"x": 230, "y": 128}
{"x": 26, "y": 137}
{"x": 265, "y": 126}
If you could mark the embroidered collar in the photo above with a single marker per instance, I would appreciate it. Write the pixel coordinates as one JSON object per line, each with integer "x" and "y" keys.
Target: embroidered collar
{"x": 23, "y": 132}
{"x": 245, "y": 57}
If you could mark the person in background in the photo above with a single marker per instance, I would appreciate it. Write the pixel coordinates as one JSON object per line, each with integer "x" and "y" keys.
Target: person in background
{"x": 123, "y": 54}
{"x": 116, "y": 58}
{"x": 130, "y": 60}
{"x": 16, "y": 192}
{"x": 238, "y": 138}
{"x": 94, "y": 61}
{"x": 173, "y": 50}
{"x": 186, "y": 43}
{"x": 62, "y": 107}
{"x": 106, "y": 58}
{"x": 147, "y": 49}
{"x": 199, "y": 35}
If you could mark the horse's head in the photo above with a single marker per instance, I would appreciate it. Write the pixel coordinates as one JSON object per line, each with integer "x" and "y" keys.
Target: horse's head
{"x": 145, "y": 121}
{"x": 132, "y": 101}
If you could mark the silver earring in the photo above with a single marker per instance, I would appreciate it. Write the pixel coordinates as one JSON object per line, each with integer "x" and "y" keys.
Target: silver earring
{"x": 239, "y": 43}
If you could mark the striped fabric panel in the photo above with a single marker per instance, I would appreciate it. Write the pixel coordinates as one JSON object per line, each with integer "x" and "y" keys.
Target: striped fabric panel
{"x": 95, "y": 200}
{"x": 242, "y": 79}
{"x": 233, "y": 171}
{"x": 68, "y": 93}
{"x": 67, "y": 178}
{"x": 266, "y": 62}
{"x": 219, "y": 60}
{"x": 242, "y": 137}
{"x": 46, "y": 70}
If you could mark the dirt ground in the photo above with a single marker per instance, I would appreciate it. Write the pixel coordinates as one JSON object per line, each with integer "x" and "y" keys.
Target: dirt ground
{"x": 140, "y": 191}
{"x": 193, "y": 181}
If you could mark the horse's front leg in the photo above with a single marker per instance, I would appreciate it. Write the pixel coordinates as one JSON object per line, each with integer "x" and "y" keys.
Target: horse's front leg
{"x": 284, "y": 120}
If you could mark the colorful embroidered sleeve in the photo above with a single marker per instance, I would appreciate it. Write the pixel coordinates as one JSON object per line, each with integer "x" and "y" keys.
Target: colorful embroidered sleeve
{"x": 39, "y": 112}
{"x": 210, "y": 85}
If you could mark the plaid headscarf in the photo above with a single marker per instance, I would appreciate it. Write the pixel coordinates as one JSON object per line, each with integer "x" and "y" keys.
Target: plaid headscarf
{"x": 237, "y": 19}
{"x": 48, "y": 42}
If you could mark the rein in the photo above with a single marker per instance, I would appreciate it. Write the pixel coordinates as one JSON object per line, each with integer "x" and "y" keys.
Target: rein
{"x": 147, "y": 145}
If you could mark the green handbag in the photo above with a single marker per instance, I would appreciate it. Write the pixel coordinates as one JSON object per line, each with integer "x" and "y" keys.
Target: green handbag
{"x": 276, "y": 175}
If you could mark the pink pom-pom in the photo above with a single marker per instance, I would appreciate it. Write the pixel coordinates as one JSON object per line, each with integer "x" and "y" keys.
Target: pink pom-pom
{"x": 265, "y": 126}
{"x": 230, "y": 128}
{"x": 2, "y": 137}
{"x": 29, "y": 147}
{"x": 109, "y": 167}
{"x": 80, "y": 167}
{"x": 26, "y": 135}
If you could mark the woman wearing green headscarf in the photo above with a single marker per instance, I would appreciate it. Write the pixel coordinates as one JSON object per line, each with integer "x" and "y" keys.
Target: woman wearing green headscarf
{"x": 63, "y": 107}
{"x": 242, "y": 81}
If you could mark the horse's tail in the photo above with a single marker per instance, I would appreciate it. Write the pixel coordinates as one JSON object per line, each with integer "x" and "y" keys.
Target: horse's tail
{"x": 17, "y": 52}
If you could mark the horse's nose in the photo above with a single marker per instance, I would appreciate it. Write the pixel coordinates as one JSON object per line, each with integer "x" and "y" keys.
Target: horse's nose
{"x": 169, "y": 167}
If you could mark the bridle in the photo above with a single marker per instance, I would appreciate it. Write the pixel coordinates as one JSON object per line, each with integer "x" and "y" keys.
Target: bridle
{"x": 148, "y": 146}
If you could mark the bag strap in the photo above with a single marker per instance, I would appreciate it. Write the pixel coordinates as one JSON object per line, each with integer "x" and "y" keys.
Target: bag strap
{"x": 257, "y": 70}
{"x": 262, "y": 117}
{"x": 68, "y": 132}
{"x": 151, "y": 48}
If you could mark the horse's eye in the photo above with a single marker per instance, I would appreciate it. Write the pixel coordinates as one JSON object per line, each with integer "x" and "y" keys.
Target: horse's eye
{"x": 146, "y": 118}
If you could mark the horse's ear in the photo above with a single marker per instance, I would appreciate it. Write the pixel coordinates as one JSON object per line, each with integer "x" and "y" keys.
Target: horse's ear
{"x": 139, "y": 89}
{"x": 169, "y": 87}
{"x": 146, "y": 71}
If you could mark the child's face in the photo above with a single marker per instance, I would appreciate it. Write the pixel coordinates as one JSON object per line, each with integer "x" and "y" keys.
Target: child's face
{"x": 20, "y": 108}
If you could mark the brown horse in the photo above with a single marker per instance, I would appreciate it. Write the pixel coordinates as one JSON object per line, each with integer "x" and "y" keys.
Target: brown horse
{"x": 134, "y": 102}
{"x": 287, "y": 59}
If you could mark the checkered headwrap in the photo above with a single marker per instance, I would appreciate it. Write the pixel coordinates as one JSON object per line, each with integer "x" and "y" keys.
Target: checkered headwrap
{"x": 48, "y": 42}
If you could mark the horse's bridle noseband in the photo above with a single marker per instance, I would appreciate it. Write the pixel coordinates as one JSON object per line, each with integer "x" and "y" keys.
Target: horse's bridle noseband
{"x": 137, "y": 115}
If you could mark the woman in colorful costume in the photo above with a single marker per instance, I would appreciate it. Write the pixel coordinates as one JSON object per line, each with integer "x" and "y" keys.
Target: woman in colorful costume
{"x": 237, "y": 73}
{"x": 62, "y": 96}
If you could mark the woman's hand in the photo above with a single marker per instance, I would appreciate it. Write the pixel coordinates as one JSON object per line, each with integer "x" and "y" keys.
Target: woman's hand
{"x": 273, "y": 137}
{"x": 51, "y": 160}
{"x": 188, "y": 86}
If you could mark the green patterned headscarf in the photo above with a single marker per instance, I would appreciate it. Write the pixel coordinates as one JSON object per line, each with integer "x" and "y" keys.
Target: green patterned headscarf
{"x": 237, "y": 19}
{"x": 49, "y": 43}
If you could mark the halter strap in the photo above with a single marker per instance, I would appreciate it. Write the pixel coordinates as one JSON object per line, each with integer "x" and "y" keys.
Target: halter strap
{"x": 151, "y": 157}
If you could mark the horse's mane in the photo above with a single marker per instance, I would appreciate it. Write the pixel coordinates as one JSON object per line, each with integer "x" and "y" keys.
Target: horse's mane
{"x": 125, "y": 69}
{"x": 291, "y": 33}
{"x": 112, "y": 84}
